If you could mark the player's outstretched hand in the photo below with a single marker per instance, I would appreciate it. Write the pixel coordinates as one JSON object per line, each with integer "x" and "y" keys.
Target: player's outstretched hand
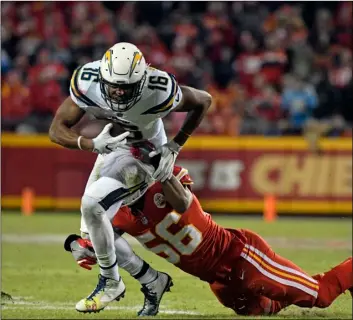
{"x": 169, "y": 153}
{"x": 82, "y": 251}
{"x": 105, "y": 143}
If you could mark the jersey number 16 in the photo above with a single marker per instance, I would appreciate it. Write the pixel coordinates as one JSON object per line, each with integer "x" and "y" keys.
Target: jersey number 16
{"x": 157, "y": 83}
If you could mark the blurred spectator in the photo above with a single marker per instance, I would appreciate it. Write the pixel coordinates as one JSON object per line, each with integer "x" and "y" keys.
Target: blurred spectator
{"x": 15, "y": 101}
{"x": 347, "y": 103}
{"x": 46, "y": 70}
{"x": 298, "y": 102}
{"x": 226, "y": 122}
{"x": 224, "y": 97}
{"x": 341, "y": 71}
{"x": 323, "y": 31}
{"x": 46, "y": 97}
{"x": 47, "y": 79}
{"x": 5, "y": 62}
{"x": 266, "y": 106}
{"x": 328, "y": 96}
{"x": 249, "y": 15}
{"x": 274, "y": 59}
{"x": 248, "y": 63}
{"x": 239, "y": 51}
{"x": 344, "y": 24}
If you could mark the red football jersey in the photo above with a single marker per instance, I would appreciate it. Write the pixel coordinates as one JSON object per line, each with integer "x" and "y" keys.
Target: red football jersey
{"x": 192, "y": 241}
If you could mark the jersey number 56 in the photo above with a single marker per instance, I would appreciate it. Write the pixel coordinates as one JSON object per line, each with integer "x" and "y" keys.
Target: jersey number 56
{"x": 182, "y": 243}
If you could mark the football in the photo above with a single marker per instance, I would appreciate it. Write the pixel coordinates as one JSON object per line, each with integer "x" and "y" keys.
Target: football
{"x": 92, "y": 128}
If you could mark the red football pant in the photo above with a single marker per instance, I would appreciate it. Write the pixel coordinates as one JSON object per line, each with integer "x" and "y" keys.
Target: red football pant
{"x": 263, "y": 282}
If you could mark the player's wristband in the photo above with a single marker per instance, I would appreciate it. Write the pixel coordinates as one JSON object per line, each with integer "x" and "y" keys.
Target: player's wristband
{"x": 186, "y": 134}
{"x": 174, "y": 146}
{"x": 181, "y": 137}
{"x": 79, "y": 142}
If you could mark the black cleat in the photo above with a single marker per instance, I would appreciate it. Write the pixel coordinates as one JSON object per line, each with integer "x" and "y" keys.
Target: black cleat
{"x": 154, "y": 292}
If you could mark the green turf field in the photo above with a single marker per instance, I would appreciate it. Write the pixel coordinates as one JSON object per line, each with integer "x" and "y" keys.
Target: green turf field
{"x": 45, "y": 282}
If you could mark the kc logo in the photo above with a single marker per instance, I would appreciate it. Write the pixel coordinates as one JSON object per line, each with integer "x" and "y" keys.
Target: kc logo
{"x": 159, "y": 200}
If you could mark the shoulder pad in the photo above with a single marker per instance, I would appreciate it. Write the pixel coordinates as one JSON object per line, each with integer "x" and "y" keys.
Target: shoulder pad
{"x": 81, "y": 81}
{"x": 166, "y": 90}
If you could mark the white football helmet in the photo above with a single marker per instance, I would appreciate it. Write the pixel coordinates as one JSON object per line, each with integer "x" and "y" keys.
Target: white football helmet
{"x": 122, "y": 75}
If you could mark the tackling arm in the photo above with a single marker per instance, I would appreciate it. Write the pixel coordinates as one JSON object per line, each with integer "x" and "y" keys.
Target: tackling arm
{"x": 196, "y": 103}
{"x": 178, "y": 196}
{"x": 60, "y": 131}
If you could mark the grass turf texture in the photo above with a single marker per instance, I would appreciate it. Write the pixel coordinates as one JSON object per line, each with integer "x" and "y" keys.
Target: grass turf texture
{"x": 45, "y": 282}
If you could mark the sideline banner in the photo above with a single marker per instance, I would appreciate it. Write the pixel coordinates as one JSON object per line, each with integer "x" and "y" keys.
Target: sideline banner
{"x": 230, "y": 174}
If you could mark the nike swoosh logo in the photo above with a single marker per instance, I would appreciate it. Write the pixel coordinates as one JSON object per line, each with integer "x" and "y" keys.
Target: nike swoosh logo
{"x": 177, "y": 98}
{"x": 108, "y": 148}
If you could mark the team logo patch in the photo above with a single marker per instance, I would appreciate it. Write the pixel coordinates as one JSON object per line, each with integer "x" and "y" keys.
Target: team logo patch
{"x": 159, "y": 200}
{"x": 108, "y": 59}
{"x": 144, "y": 221}
{"x": 137, "y": 58}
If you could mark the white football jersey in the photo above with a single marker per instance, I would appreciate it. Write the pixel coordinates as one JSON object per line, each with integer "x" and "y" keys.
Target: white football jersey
{"x": 160, "y": 95}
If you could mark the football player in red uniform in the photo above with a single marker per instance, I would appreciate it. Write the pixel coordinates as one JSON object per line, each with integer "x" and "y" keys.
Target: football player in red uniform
{"x": 244, "y": 273}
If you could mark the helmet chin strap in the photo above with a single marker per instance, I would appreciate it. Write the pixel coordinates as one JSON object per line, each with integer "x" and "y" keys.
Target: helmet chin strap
{"x": 129, "y": 103}
{"x": 118, "y": 109}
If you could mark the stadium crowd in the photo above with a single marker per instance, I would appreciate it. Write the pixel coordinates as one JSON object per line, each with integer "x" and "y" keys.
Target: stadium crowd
{"x": 272, "y": 68}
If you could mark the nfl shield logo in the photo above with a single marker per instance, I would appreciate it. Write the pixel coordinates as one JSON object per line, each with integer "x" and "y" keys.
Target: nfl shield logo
{"x": 144, "y": 221}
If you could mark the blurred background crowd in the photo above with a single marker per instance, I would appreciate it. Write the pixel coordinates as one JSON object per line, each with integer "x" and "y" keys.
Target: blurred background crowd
{"x": 272, "y": 68}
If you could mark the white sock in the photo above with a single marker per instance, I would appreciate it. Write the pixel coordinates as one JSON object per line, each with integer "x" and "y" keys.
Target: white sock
{"x": 110, "y": 271}
{"x": 102, "y": 237}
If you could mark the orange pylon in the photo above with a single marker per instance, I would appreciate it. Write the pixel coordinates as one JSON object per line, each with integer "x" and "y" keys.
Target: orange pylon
{"x": 270, "y": 210}
{"x": 27, "y": 206}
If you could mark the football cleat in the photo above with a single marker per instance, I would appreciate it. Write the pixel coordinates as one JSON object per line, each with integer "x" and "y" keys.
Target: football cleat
{"x": 153, "y": 293}
{"x": 107, "y": 290}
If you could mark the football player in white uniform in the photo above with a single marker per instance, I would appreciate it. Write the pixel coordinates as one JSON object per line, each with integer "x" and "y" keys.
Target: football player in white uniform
{"x": 124, "y": 89}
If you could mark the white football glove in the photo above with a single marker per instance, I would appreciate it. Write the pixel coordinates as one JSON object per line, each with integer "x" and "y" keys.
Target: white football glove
{"x": 169, "y": 153}
{"x": 105, "y": 143}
